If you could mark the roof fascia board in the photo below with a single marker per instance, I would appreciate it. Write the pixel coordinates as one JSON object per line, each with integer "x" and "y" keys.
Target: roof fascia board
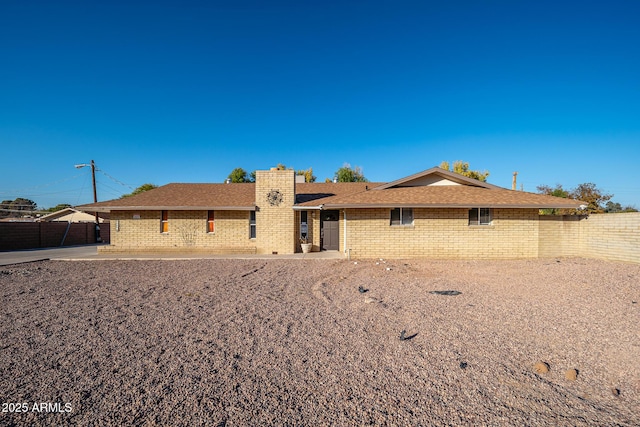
{"x": 440, "y": 206}
{"x": 168, "y": 208}
{"x": 307, "y": 208}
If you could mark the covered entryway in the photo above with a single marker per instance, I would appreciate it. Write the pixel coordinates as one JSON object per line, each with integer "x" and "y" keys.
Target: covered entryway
{"x": 330, "y": 230}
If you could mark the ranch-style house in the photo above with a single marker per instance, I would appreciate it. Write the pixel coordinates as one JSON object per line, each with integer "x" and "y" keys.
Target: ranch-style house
{"x": 431, "y": 214}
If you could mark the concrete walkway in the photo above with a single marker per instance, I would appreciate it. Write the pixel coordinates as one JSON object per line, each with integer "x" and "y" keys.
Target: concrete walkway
{"x": 31, "y": 255}
{"x": 90, "y": 253}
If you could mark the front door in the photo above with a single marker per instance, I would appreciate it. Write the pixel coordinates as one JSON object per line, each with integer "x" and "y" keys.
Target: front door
{"x": 330, "y": 230}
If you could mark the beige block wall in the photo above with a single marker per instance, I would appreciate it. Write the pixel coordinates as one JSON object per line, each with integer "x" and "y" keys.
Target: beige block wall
{"x": 442, "y": 233}
{"x": 614, "y": 237}
{"x": 559, "y": 236}
{"x": 187, "y": 231}
{"x": 275, "y": 229}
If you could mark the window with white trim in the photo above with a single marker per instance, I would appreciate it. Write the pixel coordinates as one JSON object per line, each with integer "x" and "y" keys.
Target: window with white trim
{"x": 304, "y": 227}
{"x": 480, "y": 216}
{"x": 252, "y": 224}
{"x": 401, "y": 216}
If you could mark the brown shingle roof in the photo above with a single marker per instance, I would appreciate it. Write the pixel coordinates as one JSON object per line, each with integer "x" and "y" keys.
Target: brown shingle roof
{"x": 440, "y": 196}
{"x": 331, "y": 196}
{"x": 184, "y": 197}
{"x": 314, "y": 191}
{"x": 217, "y": 196}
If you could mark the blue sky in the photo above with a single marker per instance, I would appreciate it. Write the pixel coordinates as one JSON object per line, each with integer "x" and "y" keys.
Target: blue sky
{"x": 185, "y": 91}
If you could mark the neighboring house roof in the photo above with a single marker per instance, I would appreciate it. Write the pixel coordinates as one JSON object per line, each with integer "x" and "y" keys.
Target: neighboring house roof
{"x": 435, "y": 188}
{"x": 71, "y": 215}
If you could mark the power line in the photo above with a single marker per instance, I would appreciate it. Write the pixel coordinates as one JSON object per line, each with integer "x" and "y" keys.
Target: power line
{"x": 35, "y": 187}
{"x": 115, "y": 180}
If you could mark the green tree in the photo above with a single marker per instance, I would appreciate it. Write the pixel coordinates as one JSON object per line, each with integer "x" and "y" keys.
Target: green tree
{"x": 308, "y": 175}
{"x": 141, "y": 189}
{"x": 4, "y": 208}
{"x": 59, "y": 207}
{"x": 348, "y": 174}
{"x": 462, "y": 168}
{"x": 589, "y": 193}
{"x": 613, "y": 207}
{"x": 17, "y": 208}
{"x": 592, "y": 195}
{"x": 238, "y": 175}
{"x": 557, "y": 191}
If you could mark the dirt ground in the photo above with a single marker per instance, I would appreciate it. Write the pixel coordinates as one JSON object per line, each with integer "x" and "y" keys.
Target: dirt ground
{"x": 315, "y": 342}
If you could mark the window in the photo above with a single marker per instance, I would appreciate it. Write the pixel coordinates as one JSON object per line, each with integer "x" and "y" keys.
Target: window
{"x": 164, "y": 222}
{"x": 304, "y": 228}
{"x": 479, "y": 216}
{"x": 252, "y": 224}
{"x": 402, "y": 216}
{"x": 211, "y": 225}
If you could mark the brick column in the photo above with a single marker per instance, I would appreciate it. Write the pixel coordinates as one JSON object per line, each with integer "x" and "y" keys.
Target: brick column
{"x": 275, "y": 218}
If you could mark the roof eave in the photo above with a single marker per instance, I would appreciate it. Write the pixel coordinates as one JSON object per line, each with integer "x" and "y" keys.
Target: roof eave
{"x": 166, "y": 208}
{"x": 445, "y": 205}
{"x": 307, "y": 208}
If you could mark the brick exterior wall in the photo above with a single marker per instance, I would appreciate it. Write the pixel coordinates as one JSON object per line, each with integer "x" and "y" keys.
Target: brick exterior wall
{"x": 441, "y": 233}
{"x": 275, "y": 225}
{"x": 435, "y": 233}
{"x": 187, "y": 231}
{"x": 614, "y": 237}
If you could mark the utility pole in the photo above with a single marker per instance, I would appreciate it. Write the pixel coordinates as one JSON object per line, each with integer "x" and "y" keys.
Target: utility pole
{"x": 95, "y": 200}
{"x": 95, "y": 195}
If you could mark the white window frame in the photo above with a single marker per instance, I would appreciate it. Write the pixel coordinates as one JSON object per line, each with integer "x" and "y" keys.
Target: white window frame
{"x": 480, "y": 218}
{"x": 304, "y": 223}
{"x": 405, "y": 217}
{"x": 252, "y": 225}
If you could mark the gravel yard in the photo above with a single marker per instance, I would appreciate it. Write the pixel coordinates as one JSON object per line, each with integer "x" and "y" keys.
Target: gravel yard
{"x": 314, "y": 342}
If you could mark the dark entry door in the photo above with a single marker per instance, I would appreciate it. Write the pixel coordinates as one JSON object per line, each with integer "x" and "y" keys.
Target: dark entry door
{"x": 330, "y": 230}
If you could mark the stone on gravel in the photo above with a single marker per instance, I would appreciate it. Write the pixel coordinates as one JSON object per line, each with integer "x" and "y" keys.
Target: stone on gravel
{"x": 541, "y": 367}
{"x": 571, "y": 374}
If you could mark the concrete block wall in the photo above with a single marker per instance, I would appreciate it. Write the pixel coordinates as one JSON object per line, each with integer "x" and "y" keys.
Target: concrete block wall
{"x": 559, "y": 235}
{"x": 187, "y": 231}
{"x": 614, "y": 237}
{"x": 442, "y": 233}
{"x": 275, "y": 229}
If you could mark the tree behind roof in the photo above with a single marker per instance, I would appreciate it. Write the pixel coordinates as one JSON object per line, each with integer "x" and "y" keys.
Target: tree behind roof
{"x": 462, "y": 168}
{"x": 348, "y": 174}
{"x": 17, "y": 208}
{"x": 141, "y": 189}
